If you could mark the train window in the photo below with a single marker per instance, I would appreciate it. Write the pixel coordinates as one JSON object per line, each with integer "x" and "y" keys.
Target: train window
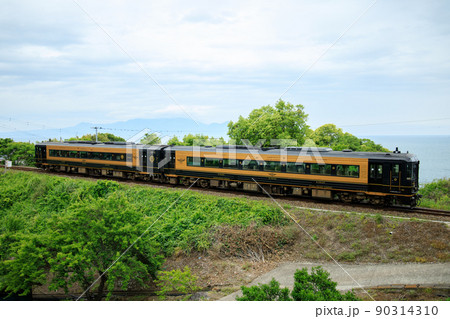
{"x": 347, "y": 170}
{"x": 353, "y": 170}
{"x": 320, "y": 169}
{"x": 74, "y": 154}
{"x": 295, "y": 168}
{"x": 272, "y": 166}
{"x": 212, "y": 162}
{"x": 408, "y": 171}
{"x": 250, "y": 165}
{"x": 83, "y": 154}
{"x": 395, "y": 170}
{"x": 193, "y": 161}
{"x": 376, "y": 171}
{"x": 52, "y": 153}
{"x": 230, "y": 163}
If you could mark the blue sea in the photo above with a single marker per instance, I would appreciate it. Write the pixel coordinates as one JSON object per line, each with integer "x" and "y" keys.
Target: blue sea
{"x": 433, "y": 152}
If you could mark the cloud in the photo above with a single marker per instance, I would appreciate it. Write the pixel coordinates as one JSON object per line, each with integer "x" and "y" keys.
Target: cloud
{"x": 221, "y": 59}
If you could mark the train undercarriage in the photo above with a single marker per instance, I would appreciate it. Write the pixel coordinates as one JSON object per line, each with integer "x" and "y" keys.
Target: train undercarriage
{"x": 347, "y": 196}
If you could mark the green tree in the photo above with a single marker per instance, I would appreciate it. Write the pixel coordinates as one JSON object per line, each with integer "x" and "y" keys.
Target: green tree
{"x": 265, "y": 292}
{"x": 316, "y": 286}
{"x": 91, "y": 237}
{"x": 282, "y": 121}
{"x": 150, "y": 139}
{"x": 4, "y": 142}
{"x": 23, "y": 260}
{"x": 78, "y": 243}
{"x": 20, "y": 153}
{"x": 328, "y": 135}
{"x": 174, "y": 141}
{"x": 198, "y": 140}
{"x": 101, "y": 137}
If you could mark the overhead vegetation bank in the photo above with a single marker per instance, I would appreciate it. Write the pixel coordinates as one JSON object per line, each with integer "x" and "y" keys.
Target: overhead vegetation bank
{"x": 65, "y": 232}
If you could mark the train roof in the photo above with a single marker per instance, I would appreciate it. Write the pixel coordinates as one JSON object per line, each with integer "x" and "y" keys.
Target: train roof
{"x": 241, "y": 149}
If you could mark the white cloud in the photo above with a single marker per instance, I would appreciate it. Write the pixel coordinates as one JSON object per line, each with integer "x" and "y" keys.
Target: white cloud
{"x": 221, "y": 59}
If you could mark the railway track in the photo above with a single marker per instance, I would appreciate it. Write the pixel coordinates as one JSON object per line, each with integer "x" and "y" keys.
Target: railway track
{"x": 415, "y": 210}
{"x": 431, "y": 211}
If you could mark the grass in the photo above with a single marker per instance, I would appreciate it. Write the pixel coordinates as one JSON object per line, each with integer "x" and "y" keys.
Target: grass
{"x": 226, "y": 227}
{"x": 405, "y": 294}
{"x": 436, "y": 194}
{"x": 351, "y": 238}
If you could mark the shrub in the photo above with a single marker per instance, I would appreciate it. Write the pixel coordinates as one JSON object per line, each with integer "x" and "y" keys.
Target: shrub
{"x": 177, "y": 281}
{"x": 316, "y": 286}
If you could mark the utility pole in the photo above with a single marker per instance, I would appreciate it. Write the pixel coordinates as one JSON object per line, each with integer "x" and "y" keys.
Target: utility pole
{"x": 96, "y": 129}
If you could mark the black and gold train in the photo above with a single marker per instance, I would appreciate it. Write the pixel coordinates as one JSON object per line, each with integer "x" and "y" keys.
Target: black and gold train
{"x": 378, "y": 178}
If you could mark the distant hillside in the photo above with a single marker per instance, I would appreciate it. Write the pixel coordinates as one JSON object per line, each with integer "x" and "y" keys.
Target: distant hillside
{"x": 126, "y": 129}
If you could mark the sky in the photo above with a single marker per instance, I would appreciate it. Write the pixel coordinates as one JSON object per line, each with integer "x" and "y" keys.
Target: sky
{"x": 370, "y": 67}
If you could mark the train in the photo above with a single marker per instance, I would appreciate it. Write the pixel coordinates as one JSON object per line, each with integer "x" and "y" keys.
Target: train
{"x": 378, "y": 178}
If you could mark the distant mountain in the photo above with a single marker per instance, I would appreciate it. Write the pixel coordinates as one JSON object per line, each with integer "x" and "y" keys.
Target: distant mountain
{"x": 166, "y": 128}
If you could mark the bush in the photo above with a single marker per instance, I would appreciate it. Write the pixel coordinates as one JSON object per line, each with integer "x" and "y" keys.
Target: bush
{"x": 263, "y": 292}
{"x": 436, "y": 194}
{"x": 176, "y": 281}
{"x": 316, "y": 286}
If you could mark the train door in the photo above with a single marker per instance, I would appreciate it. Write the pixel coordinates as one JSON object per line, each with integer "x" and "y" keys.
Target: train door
{"x": 376, "y": 176}
{"x": 40, "y": 154}
{"x": 395, "y": 176}
{"x": 376, "y": 173}
{"x": 144, "y": 160}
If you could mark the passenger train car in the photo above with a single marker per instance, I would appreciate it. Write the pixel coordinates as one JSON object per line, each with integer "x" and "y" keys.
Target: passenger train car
{"x": 377, "y": 178}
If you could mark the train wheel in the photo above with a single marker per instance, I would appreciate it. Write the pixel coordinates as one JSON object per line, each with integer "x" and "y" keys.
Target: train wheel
{"x": 345, "y": 197}
{"x": 204, "y": 183}
{"x": 376, "y": 200}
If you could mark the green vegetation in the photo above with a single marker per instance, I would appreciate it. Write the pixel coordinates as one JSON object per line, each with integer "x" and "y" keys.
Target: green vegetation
{"x": 101, "y": 137}
{"x": 282, "y": 121}
{"x": 183, "y": 282}
{"x": 20, "y": 153}
{"x": 67, "y": 231}
{"x": 363, "y": 238}
{"x": 316, "y": 286}
{"x": 198, "y": 140}
{"x": 329, "y": 135}
{"x": 150, "y": 139}
{"x": 288, "y": 122}
{"x": 436, "y": 194}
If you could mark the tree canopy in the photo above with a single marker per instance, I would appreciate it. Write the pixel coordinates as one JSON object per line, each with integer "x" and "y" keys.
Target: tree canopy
{"x": 197, "y": 139}
{"x": 74, "y": 235}
{"x": 101, "y": 137}
{"x": 92, "y": 236}
{"x": 20, "y": 153}
{"x": 150, "y": 139}
{"x": 329, "y": 135}
{"x": 282, "y": 121}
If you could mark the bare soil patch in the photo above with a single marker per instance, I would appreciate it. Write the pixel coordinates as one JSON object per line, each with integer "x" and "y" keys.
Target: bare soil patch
{"x": 239, "y": 255}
